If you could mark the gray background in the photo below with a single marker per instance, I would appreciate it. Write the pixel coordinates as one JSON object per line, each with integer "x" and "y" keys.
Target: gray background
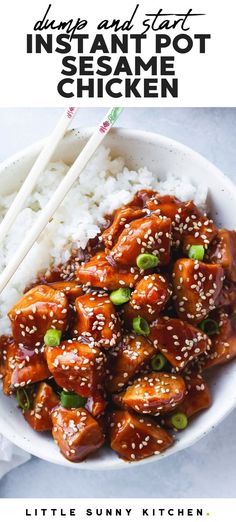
{"x": 207, "y": 469}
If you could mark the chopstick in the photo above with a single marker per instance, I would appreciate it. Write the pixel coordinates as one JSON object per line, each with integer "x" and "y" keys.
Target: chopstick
{"x": 36, "y": 170}
{"x": 60, "y": 193}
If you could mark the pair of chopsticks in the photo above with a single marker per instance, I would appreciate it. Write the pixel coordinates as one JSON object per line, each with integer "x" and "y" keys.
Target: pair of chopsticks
{"x": 61, "y": 191}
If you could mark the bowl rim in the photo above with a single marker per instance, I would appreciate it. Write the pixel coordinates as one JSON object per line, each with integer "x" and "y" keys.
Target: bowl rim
{"x": 35, "y": 148}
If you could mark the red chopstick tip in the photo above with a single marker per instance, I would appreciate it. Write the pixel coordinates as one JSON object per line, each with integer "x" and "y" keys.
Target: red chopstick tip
{"x": 71, "y": 112}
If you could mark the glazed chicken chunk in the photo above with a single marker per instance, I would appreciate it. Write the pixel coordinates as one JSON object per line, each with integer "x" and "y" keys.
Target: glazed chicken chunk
{"x": 40, "y": 309}
{"x": 122, "y": 218}
{"x": 97, "y": 320}
{"x": 101, "y": 272}
{"x": 189, "y": 225}
{"x": 80, "y": 368}
{"x": 45, "y": 400}
{"x": 150, "y": 296}
{"x": 223, "y": 342}
{"x": 223, "y": 252}
{"x": 197, "y": 286}
{"x": 76, "y": 432}
{"x": 149, "y": 235}
{"x": 197, "y": 398}
{"x": 155, "y": 393}
{"x": 132, "y": 353}
{"x": 179, "y": 341}
{"x": 71, "y": 289}
{"x": 135, "y": 437}
{"x": 21, "y": 367}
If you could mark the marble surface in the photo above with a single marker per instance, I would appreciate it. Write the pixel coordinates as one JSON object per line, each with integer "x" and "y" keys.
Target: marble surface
{"x": 207, "y": 469}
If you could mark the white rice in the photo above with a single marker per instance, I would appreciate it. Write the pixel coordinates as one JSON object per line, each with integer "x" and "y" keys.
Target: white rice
{"x": 105, "y": 185}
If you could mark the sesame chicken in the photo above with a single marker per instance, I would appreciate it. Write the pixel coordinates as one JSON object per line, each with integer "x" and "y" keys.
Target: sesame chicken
{"x": 223, "y": 342}
{"x": 227, "y": 296}
{"x": 189, "y": 225}
{"x": 136, "y": 437}
{"x": 142, "y": 198}
{"x": 131, "y": 354}
{"x": 192, "y": 227}
{"x": 115, "y": 340}
{"x": 155, "y": 393}
{"x": 179, "y": 341}
{"x": 223, "y": 252}
{"x": 40, "y": 309}
{"x": 78, "y": 367}
{"x": 121, "y": 220}
{"x": 150, "y": 296}
{"x": 21, "y": 367}
{"x": 150, "y": 234}
{"x": 197, "y": 397}
{"x": 97, "y": 319}
{"x": 71, "y": 289}
{"x": 45, "y": 400}
{"x": 102, "y": 272}
{"x": 76, "y": 432}
{"x": 196, "y": 287}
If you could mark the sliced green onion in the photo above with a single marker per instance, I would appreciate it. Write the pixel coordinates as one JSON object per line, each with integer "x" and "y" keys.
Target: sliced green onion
{"x": 158, "y": 362}
{"x": 23, "y": 399}
{"x": 145, "y": 261}
{"x": 120, "y": 296}
{"x": 72, "y": 400}
{"x": 52, "y": 337}
{"x": 196, "y": 252}
{"x": 179, "y": 421}
{"x": 141, "y": 326}
{"x": 209, "y": 326}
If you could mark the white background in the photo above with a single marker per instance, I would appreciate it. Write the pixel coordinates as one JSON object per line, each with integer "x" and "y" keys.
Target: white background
{"x": 213, "y": 510}
{"x": 31, "y": 80}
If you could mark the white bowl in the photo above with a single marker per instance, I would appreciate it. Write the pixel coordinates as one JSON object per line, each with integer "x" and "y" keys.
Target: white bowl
{"x": 160, "y": 155}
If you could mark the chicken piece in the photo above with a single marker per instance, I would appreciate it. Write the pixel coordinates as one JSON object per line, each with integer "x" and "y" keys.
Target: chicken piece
{"x": 97, "y": 319}
{"x": 4, "y": 342}
{"x": 76, "y": 432}
{"x": 196, "y": 287}
{"x": 99, "y": 272}
{"x": 132, "y": 353}
{"x": 198, "y": 397}
{"x": 21, "y": 367}
{"x": 71, "y": 289}
{"x": 148, "y": 235}
{"x": 96, "y": 404}
{"x": 79, "y": 368}
{"x": 127, "y": 314}
{"x": 122, "y": 217}
{"x": 190, "y": 226}
{"x": 40, "y": 309}
{"x": 223, "y": 347}
{"x": 178, "y": 341}
{"x": 45, "y": 400}
{"x": 155, "y": 393}
{"x": 134, "y": 437}
{"x": 164, "y": 205}
{"x": 142, "y": 197}
{"x": 150, "y": 296}
{"x": 223, "y": 252}
{"x": 227, "y": 296}
{"x": 117, "y": 399}
{"x": 193, "y": 227}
